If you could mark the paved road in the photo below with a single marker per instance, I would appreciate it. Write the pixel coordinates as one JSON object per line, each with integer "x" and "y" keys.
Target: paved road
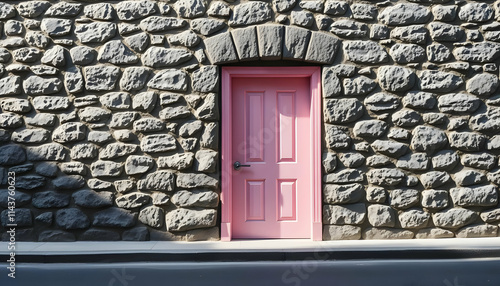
{"x": 444, "y": 272}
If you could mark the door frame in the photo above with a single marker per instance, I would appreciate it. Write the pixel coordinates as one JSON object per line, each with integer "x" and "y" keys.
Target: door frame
{"x": 314, "y": 74}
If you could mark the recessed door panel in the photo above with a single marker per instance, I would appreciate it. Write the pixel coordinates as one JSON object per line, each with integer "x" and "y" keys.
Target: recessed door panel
{"x": 271, "y": 197}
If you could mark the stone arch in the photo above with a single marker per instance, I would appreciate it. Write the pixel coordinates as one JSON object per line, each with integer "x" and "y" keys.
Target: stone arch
{"x": 259, "y": 42}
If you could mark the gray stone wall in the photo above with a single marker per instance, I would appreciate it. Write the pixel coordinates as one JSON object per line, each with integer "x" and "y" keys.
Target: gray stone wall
{"x": 110, "y": 119}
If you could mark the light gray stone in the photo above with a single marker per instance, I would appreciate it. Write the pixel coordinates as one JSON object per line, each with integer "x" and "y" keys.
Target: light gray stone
{"x": 390, "y": 148}
{"x": 116, "y": 100}
{"x": 56, "y": 27}
{"x": 475, "y": 196}
{"x": 466, "y": 141}
{"x": 250, "y": 13}
{"x": 138, "y": 164}
{"x": 454, "y": 218}
{"x": 345, "y": 176}
{"x": 394, "y": 78}
{"x": 69, "y": 132}
{"x": 376, "y": 195}
{"x": 134, "y": 78}
{"x": 178, "y": 161}
{"x": 116, "y": 52}
{"x": 414, "y": 34}
{"x": 434, "y": 179}
{"x": 386, "y": 233}
{"x": 369, "y": 128}
{"x": 192, "y": 180}
{"x": 209, "y": 110}
{"x": 336, "y": 8}
{"x": 270, "y": 41}
{"x": 157, "y": 181}
{"x": 302, "y": 18}
{"x": 404, "y": 14}
{"x": 322, "y": 48}
{"x": 115, "y": 150}
{"x": 485, "y": 230}
{"x": 444, "y": 13}
{"x": 295, "y": 46}
{"x": 185, "y": 219}
{"x": 93, "y": 114}
{"x": 122, "y": 119}
{"x": 404, "y": 198}
{"x": 27, "y": 55}
{"x": 210, "y": 136}
{"x": 132, "y": 200}
{"x": 351, "y": 159}
{"x": 245, "y": 41}
{"x": 205, "y": 79}
{"x": 95, "y": 32}
{"x": 73, "y": 80}
{"x": 35, "y": 135}
{"x": 343, "y": 194}
{"x": 134, "y": 10}
{"x": 195, "y": 198}
{"x": 158, "y": 143}
{"x": 486, "y": 121}
{"x": 458, "y": 103}
{"x": 385, "y": 176}
{"x": 341, "y": 232}
{"x": 475, "y": 12}
{"x": 101, "y": 77}
{"x": 353, "y": 214}
{"x": 406, "y": 118}
{"x": 10, "y": 120}
{"x": 206, "y": 161}
{"x": 482, "y": 84}
{"x": 469, "y": 177}
{"x": 413, "y": 162}
{"x": 219, "y": 9}
{"x": 82, "y": 55}
{"x": 365, "y": 52}
{"x": 331, "y": 83}
{"x": 381, "y": 216}
{"x": 419, "y": 100}
{"x": 152, "y": 216}
{"x": 443, "y": 32}
{"x": 439, "y": 81}
{"x": 99, "y": 11}
{"x": 329, "y": 162}
{"x": 407, "y": 53}
{"x": 49, "y": 152}
{"x": 15, "y": 105}
{"x": 36, "y": 85}
{"x": 102, "y": 168}
{"x": 435, "y": 199}
{"x": 336, "y": 138}
{"x": 30, "y": 9}
{"x": 169, "y": 79}
{"x": 414, "y": 218}
{"x": 83, "y": 151}
{"x": 349, "y": 29}
{"x": 482, "y": 160}
{"x": 357, "y": 86}
{"x": 483, "y": 52}
{"x": 207, "y": 27}
{"x": 342, "y": 110}
{"x": 428, "y": 139}
{"x": 438, "y": 53}
{"x": 10, "y": 85}
{"x": 190, "y": 8}
{"x": 163, "y": 57}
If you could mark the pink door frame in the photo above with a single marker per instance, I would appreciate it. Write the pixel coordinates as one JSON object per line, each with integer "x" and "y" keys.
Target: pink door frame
{"x": 314, "y": 73}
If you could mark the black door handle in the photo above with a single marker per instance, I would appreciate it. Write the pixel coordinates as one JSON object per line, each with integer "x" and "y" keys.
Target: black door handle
{"x": 237, "y": 165}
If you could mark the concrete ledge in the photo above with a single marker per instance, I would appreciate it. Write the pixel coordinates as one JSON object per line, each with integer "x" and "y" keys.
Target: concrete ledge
{"x": 254, "y": 250}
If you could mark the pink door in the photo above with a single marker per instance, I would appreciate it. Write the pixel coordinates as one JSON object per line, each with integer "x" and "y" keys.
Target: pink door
{"x": 271, "y": 134}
